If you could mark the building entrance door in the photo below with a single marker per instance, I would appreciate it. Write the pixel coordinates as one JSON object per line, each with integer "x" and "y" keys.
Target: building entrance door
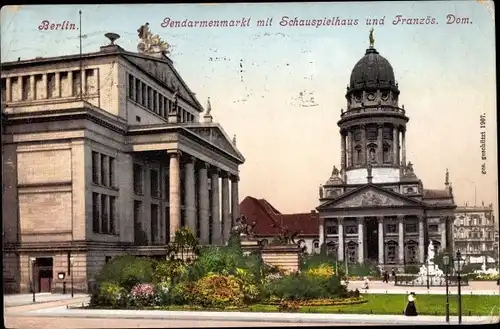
{"x": 44, "y": 267}
{"x": 371, "y": 240}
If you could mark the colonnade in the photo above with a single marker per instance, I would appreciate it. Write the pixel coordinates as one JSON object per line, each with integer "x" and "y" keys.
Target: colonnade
{"x": 348, "y": 144}
{"x": 222, "y": 213}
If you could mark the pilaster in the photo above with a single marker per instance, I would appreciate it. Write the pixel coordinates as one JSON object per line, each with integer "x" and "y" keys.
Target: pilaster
{"x": 321, "y": 232}
{"x": 361, "y": 245}
{"x": 421, "y": 240}
{"x": 204, "y": 203}
{"x": 349, "y": 148}
{"x": 364, "y": 153}
{"x": 235, "y": 199}
{"x": 340, "y": 249}
{"x": 380, "y": 143}
{"x": 175, "y": 192}
{"x": 190, "y": 194}
{"x": 380, "y": 239}
{"x": 226, "y": 216}
{"x": 401, "y": 240}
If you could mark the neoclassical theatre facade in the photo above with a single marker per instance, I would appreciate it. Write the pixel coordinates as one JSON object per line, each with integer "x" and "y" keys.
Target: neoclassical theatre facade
{"x": 375, "y": 208}
{"x": 103, "y": 154}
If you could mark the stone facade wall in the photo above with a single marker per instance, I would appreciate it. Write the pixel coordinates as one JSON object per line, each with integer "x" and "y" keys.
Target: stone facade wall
{"x": 283, "y": 257}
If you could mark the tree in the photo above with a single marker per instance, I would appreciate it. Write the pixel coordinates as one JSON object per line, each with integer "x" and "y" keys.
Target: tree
{"x": 184, "y": 240}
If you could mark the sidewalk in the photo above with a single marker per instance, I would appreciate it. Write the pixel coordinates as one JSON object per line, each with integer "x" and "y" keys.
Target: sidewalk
{"x": 63, "y": 312}
{"x": 379, "y": 287}
{"x": 27, "y": 299}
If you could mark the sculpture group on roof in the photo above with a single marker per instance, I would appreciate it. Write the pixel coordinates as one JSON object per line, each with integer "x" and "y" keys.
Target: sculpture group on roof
{"x": 149, "y": 42}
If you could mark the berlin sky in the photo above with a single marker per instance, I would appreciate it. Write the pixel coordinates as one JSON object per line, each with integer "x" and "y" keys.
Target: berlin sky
{"x": 281, "y": 89}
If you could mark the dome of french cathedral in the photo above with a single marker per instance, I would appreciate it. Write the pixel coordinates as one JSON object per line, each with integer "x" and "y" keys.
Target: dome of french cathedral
{"x": 372, "y": 71}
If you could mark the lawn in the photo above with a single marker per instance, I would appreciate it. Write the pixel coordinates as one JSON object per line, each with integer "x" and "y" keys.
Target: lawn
{"x": 475, "y": 305}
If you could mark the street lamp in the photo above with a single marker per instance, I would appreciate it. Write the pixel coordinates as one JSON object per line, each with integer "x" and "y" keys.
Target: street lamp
{"x": 32, "y": 262}
{"x": 61, "y": 276}
{"x": 72, "y": 274}
{"x": 446, "y": 262}
{"x": 459, "y": 263}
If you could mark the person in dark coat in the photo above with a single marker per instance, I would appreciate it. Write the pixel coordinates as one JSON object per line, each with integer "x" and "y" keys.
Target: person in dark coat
{"x": 386, "y": 277}
{"x": 411, "y": 308}
{"x": 393, "y": 274}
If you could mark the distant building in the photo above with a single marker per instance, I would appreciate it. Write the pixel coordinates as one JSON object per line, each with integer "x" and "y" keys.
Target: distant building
{"x": 269, "y": 222}
{"x": 104, "y": 154}
{"x": 475, "y": 233}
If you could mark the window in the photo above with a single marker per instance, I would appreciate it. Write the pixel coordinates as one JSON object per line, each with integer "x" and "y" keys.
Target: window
{"x": 411, "y": 252}
{"x": 167, "y": 225}
{"x": 131, "y": 85}
{"x": 433, "y": 228}
{"x": 391, "y": 228}
{"x": 332, "y": 248}
{"x": 371, "y": 133}
{"x": 351, "y": 252}
{"x": 386, "y": 155}
{"x": 138, "y": 178}
{"x": 95, "y": 167}
{"x": 111, "y": 172}
{"x": 411, "y": 228}
{"x": 315, "y": 244}
{"x": 154, "y": 223}
{"x": 112, "y": 211}
{"x": 332, "y": 230}
{"x": 96, "y": 228}
{"x": 104, "y": 177}
{"x": 479, "y": 221}
{"x": 358, "y": 155}
{"x": 351, "y": 229}
{"x": 155, "y": 186}
{"x": 104, "y": 214}
{"x": 391, "y": 252}
{"x": 107, "y": 259}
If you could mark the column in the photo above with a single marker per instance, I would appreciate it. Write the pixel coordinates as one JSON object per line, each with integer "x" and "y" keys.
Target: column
{"x": 340, "y": 249}
{"x": 395, "y": 145}
{"x": 45, "y": 87}
{"x": 401, "y": 240}
{"x": 321, "y": 232}
{"x": 349, "y": 148}
{"x": 364, "y": 153}
{"x": 381, "y": 250}
{"x": 190, "y": 194}
{"x": 32, "y": 94}
{"x": 226, "y": 216}
{"x": 342, "y": 151}
{"x": 83, "y": 82}
{"x": 235, "y": 199}
{"x": 216, "y": 222}
{"x": 57, "y": 85}
{"x": 403, "y": 147}
{"x": 70, "y": 83}
{"x": 175, "y": 193}
{"x": 203, "y": 204}
{"x": 421, "y": 240}
{"x": 443, "y": 233}
{"x": 361, "y": 244}
{"x": 8, "y": 90}
{"x": 380, "y": 143}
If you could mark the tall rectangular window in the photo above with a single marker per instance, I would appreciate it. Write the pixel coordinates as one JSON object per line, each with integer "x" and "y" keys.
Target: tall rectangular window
{"x": 138, "y": 178}
{"x": 154, "y": 223}
{"x": 95, "y": 213}
{"x": 111, "y": 172}
{"x": 167, "y": 224}
{"x": 155, "y": 186}
{"x": 112, "y": 211}
{"x": 95, "y": 167}
{"x": 131, "y": 85}
{"x": 167, "y": 184}
{"x": 104, "y": 214}
{"x": 104, "y": 177}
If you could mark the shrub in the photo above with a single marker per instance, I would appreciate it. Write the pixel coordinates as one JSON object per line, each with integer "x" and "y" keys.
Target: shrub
{"x": 246, "y": 281}
{"x": 217, "y": 291}
{"x": 127, "y": 271}
{"x": 219, "y": 260}
{"x": 412, "y": 269}
{"x": 143, "y": 294}
{"x": 163, "y": 294}
{"x": 315, "y": 260}
{"x": 171, "y": 271}
{"x": 323, "y": 270}
{"x": 109, "y": 294}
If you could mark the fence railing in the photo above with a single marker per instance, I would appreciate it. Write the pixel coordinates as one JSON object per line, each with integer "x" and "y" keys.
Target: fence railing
{"x": 415, "y": 280}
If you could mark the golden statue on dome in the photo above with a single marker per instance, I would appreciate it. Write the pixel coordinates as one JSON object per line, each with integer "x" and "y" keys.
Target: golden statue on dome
{"x": 372, "y": 40}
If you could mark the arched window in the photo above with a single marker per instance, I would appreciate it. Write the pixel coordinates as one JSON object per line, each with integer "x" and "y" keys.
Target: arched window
{"x": 358, "y": 160}
{"x": 386, "y": 154}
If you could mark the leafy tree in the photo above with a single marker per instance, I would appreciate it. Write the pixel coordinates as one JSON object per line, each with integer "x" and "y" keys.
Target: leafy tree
{"x": 184, "y": 241}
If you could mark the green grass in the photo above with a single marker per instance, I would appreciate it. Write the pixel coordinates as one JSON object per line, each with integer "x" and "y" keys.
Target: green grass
{"x": 475, "y": 305}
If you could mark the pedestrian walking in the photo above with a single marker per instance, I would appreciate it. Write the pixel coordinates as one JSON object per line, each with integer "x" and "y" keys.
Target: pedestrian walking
{"x": 386, "y": 277}
{"x": 393, "y": 274}
{"x": 411, "y": 308}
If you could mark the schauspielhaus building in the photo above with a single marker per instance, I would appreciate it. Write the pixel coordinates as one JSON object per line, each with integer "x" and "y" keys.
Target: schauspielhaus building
{"x": 374, "y": 208}
{"x": 106, "y": 153}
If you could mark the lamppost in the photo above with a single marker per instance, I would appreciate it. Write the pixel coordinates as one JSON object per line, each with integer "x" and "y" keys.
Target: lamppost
{"x": 446, "y": 262}
{"x": 32, "y": 262}
{"x": 61, "y": 276}
{"x": 72, "y": 274}
{"x": 458, "y": 267}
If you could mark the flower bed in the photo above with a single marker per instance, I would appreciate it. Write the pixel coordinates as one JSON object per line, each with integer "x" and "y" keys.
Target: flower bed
{"x": 322, "y": 302}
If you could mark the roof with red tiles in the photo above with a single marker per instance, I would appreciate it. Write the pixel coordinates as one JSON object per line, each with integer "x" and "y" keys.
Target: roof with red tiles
{"x": 268, "y": 219}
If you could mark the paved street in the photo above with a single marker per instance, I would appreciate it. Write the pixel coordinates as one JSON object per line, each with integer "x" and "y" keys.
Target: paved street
{"x": 27, "y": 299}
